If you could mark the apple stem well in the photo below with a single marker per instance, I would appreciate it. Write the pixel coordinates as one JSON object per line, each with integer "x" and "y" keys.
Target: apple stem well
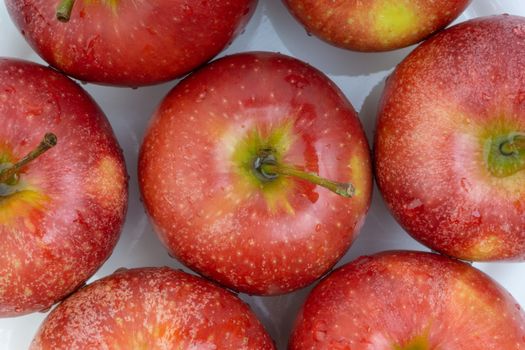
{"x": 506, "y": 154}
{"x": 267, "y": 169}
{"x": 64, "y": 10}
{"x": 8, "y": 175}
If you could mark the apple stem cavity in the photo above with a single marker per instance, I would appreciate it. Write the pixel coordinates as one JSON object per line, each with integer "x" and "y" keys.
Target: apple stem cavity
{"x": 506, "y": 155}
{"x": 268, "y": 169}
{"x": 514, "y": 146}
{"x": 64, "y": 10}
{"x": 8, "y": 174}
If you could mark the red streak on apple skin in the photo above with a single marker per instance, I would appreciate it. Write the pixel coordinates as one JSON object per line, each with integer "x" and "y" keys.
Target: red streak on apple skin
{"x": 54, "y": 238}
{"x": 210, "y": 218}
{"x": 152, "y": 308}
{"x": 388, "y": 299}
{"x": 134, "y": 43}
{"x": 460, "y": 85}
{"x": 350, "y": 24}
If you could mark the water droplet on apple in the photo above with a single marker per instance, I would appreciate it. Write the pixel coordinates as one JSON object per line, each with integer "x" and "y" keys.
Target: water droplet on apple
{"x": 297, "y": 80}
{"x": 320, "y": 331}
{"x": 320, "y": 336}
{"x": 465, "y": 185}
{"x": 416, "y": 203}
{"x": 201, "y": 96}
{"x": 317, "y": 227}
{"x": 28, "y": 17}
{"x": 476, "y": 215}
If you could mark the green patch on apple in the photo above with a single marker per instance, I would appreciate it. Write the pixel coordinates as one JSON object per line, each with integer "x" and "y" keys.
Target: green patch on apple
{"x": 417, "y": 343}
{"x": 277, "y": 141}
{"x": 505, "y": 153}
{"x": 66, "y": 6}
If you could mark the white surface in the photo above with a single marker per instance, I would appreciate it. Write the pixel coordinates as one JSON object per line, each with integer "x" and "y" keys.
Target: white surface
{"x": 361, "y": 78}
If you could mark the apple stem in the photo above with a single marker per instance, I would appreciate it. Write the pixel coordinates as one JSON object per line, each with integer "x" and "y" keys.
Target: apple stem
{"x": 49, "y": 141}
{"x": 64, "y": 10}
{"x": 267, "y": 168}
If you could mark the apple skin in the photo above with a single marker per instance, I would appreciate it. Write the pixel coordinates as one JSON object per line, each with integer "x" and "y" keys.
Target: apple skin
{"x": 152, "y": 308}
{"x": 130, "y": 43}
{"x": 66, "y": 217}
{"x": 442, "y": 107}
{"x": 408, "y": 301}
{"x": 375, "y": 25}
{"x": 199, "y": 189}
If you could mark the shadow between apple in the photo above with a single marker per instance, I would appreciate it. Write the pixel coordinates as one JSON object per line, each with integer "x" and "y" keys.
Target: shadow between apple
{"x": 381, "y": 231}
{"x": 244, "y": 39}
{"x": 314, "y": 50}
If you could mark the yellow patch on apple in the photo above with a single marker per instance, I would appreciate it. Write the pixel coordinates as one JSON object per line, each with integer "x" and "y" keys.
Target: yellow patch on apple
{"x": 394, "y": 19}
{"x": 105, "y": 184}
{"x": 465, "y": 295}
{"x": 21, "y": 204}
{"x": 486, "y": 247}
{"x": 359, "y": 178}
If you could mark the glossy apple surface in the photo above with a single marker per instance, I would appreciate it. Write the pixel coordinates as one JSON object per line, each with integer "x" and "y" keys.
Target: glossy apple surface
{"x": 62, "y": 217}
{"x": 409, "y": 301}
{"x": 152, "y": 308}
{"x": 130, "y": 43}
{"x": 375, "y": 25}
{"x": 450, "y": 150}
{"x": 210, "y": 206}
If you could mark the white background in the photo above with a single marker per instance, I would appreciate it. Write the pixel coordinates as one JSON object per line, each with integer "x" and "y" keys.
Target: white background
{"x": 359, "y": 75}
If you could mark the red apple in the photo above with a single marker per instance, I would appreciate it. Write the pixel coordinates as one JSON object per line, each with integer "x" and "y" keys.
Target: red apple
{"x": 129, "y": 43}
{"x": 229, "y": 166}
{"x": 375, "y": 25}
{"x": 409, "y": 301}
{"x": 61, "y": 213}
{"x": 450, "y": 141}
{"x": 152, "y": 308}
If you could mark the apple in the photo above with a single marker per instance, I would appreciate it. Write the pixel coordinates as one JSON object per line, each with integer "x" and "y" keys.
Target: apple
{"x": 375, "y": 25}
{"x": 129, "y": 43}
{"x": 408, "y": 301}
{"x": 152, "y": 308}
{"x": 246, "y": 170}
{"x": 450, "y": 141}
{"x": 63, "y": 187}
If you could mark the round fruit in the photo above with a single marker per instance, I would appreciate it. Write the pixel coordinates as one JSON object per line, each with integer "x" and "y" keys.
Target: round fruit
{"x": 62, "y": 207}
{"x": 409, "y": 301}
{"x": 450, "y": 141}
{"x": 152, "y": 308}
{"x": 230, "y": 166}
{"x": 129, "y": 43}
{"x": 375, "y": 25}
